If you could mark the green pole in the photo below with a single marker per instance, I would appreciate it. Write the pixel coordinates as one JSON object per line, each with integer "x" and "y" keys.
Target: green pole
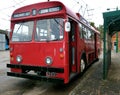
{"x": 117, "y": 42}
{"x": 104, "y": 51}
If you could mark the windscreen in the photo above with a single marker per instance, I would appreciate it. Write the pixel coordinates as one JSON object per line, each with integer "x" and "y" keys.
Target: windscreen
{"x": 49, "y": 29}
{"x": 23, "y": 31}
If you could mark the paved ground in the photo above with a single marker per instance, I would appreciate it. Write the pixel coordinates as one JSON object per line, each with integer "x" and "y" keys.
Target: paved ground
{"x": 90, "y": 83}
{"x": 20, "y": 86}
{"x": 93, "y": 84}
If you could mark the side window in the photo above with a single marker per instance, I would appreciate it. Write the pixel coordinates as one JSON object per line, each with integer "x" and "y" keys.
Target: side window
{"x": 80, "y": 31}
{"x": 84, "y": 30}
{"x": 89, "y": 34}
{"x": 92, "y": 35}
{"x": 73, "y": 31}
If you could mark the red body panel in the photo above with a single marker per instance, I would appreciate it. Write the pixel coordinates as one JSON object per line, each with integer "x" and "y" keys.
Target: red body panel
{"x": 35, "y": 53}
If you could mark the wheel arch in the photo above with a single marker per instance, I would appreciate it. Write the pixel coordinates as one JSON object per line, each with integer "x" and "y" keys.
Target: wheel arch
{"x": 83, "y": 55}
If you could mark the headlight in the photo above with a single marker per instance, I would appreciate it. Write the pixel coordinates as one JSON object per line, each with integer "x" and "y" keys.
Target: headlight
{"x": 48, "y": 60}
{"x": 18, "y": 58}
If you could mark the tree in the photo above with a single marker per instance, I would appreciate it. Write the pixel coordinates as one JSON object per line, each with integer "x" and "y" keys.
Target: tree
{"x": 92, "y": 24}
{"x": 100, "y": 29}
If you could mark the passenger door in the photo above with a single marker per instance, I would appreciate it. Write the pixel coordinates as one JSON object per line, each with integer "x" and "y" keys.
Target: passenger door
{"x": 72, "y": 46}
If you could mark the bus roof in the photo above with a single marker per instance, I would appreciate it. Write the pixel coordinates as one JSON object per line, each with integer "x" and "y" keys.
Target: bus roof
{"x": 94, "y": 29}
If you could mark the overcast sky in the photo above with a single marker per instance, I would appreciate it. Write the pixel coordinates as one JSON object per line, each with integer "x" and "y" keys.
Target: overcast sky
{"x": 91, "y": 9}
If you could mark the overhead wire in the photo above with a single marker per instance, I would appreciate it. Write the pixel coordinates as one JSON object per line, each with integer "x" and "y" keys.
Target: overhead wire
{"x": 20, "y": 3}
{"x": 4, "y": 19}
{"x": 16, "y": 3}
{"x": 6, "y": 15}
{"x": 13, "y": 6}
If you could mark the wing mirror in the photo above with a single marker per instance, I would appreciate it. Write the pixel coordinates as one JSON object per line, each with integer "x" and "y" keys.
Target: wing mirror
{"x": 67, "y": 26}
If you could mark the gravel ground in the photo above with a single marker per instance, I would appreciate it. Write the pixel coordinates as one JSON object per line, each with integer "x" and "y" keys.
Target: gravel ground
{"x": 94, "y": 83}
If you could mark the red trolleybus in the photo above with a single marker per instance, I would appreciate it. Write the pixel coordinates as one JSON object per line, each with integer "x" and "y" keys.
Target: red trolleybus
{"x": 51, "y": 43}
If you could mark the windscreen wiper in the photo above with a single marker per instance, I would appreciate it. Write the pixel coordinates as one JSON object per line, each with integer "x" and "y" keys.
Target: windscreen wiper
{"x": 58, "y": 23}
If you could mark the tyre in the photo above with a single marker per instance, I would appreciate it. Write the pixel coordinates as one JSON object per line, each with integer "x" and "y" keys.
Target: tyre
{"x": 82, "y": 64}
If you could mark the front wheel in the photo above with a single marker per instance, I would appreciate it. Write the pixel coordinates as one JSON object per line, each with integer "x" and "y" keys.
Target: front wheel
{"x": 82, "y": 65}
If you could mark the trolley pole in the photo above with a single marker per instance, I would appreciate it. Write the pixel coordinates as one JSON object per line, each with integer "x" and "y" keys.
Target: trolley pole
{"x": 117, "y": 42}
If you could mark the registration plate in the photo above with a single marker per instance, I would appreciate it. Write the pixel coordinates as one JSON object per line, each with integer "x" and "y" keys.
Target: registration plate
{"x": 51, "y": 74}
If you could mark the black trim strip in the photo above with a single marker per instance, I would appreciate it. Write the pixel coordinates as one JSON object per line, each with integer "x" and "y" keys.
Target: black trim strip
{"x": 37, "y": 68}
{"x": 36, "y": 77}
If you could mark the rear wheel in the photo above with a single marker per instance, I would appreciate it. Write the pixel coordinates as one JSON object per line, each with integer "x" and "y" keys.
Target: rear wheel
{"x": 82, "y": 65}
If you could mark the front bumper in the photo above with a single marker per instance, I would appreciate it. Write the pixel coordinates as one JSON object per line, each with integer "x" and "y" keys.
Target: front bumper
{"x": 33, "y": 76}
